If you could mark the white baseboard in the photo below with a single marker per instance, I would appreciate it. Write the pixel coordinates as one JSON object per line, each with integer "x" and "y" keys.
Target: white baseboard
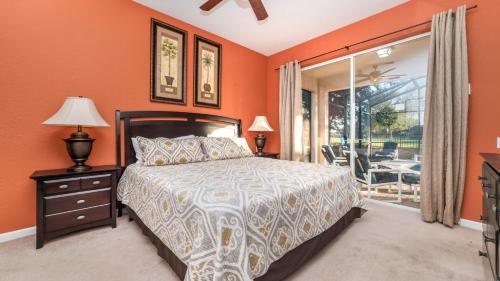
{"x": 463, "y": 222}
{"x": 471, "y": 224}
{"x": 8, "y": 236}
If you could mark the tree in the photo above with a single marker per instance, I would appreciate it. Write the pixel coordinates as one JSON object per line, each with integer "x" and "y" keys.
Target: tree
{"x": 170, "y": 50}
{"x": 385, "y": 117}
{"x": 207, "y": 61}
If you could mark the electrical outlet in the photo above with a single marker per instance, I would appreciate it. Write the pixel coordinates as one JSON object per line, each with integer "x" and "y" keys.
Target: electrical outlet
{"x": 498, "y": 142}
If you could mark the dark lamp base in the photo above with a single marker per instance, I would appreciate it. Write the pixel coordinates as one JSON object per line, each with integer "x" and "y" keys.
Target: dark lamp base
{"x": 260, "y": 142}
{"x": 79, "y": 146}
{"x": 78, "y": 168}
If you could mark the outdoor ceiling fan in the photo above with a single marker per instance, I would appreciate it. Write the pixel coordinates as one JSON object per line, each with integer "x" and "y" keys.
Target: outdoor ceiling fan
{"x": 376, "y": 75}
{"x": 257, "y": 6}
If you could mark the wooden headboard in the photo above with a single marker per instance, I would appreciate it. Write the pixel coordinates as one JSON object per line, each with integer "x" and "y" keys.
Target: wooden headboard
{"x": 169, "y": 124}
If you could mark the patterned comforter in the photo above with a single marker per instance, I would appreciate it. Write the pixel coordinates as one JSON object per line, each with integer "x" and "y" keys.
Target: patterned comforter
{"x": 230, "y": 219}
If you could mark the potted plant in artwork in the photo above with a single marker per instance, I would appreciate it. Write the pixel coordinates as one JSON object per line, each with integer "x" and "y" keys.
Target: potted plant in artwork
{"x": 169, "y": 50}
{"x": 207, "y": 62}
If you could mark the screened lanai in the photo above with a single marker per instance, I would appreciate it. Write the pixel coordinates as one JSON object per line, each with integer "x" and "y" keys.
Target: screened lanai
{"x": 400, "y": 103}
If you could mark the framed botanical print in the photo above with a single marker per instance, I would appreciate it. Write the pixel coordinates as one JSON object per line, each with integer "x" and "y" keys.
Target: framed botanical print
{"x": 168, "y": 63}
{"x": 207, "y": 72}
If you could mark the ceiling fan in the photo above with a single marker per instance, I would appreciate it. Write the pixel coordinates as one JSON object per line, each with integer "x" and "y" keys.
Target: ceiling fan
{"x": 376, "y": 75}
{"x": 257, "y": 6}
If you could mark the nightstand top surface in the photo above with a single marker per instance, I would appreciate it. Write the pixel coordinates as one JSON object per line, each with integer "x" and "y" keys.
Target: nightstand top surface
{"x": 41, "y": 174}
{"x": 267, "y": 154}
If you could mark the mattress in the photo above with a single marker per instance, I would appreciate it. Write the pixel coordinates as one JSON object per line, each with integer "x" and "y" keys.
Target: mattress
{"x": 230, "y": 219}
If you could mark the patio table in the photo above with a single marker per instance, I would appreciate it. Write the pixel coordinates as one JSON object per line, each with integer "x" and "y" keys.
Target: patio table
{"x": 404, "y": 167}
{"x": 401, "y": 164}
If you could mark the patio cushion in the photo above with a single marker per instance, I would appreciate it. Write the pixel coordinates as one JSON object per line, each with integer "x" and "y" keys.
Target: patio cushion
{"x": 410, "y": 178}
{"x": 382, "y": 177}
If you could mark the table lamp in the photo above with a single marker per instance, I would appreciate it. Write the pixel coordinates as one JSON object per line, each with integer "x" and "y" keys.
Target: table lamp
{"x": 79, "y": 112}
{"x": 260, "y": 125}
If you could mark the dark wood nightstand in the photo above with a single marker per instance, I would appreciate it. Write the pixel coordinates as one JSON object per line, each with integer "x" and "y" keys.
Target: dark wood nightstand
{"x": 71, "y": 201}
{"x": 268, "y": 155}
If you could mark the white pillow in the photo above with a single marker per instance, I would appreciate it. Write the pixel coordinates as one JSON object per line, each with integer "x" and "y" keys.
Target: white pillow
{"x": 138, "y": 152}
{"x": 243, "y": 144}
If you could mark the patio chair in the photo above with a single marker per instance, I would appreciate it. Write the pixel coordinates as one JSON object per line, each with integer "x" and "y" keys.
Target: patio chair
{"x": 330, "y": 156}
{"x": 388, "y": 151}
{"x": 373, "y": 176}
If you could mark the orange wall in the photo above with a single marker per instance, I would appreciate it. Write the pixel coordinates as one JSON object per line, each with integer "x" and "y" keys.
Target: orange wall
{"x": 99, "y": 49}
{"x": 484, "y": 118}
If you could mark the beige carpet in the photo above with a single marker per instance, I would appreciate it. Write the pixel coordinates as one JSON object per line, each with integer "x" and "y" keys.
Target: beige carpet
{"x": 386, "y": 244}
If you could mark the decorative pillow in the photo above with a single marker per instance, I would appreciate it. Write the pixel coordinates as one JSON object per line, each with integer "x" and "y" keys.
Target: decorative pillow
{"x": 138, "y": 152}
{"x": 163, "y": 151}
{"x": 219, "y": 148}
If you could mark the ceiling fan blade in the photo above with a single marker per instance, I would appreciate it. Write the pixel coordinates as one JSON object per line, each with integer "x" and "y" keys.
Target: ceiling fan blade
{"x": 209, "y": 5}
{"x": 388, "y": 70}
{"x": 362, "y": 80}
{"x": 258, "y": 9}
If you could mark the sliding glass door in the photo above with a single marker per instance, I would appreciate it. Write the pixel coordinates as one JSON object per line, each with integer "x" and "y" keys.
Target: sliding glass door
{"x": 370, "y": 110}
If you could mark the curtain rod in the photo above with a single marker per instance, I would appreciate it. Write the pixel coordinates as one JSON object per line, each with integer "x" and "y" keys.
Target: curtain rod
{"x": 347, "y": 47}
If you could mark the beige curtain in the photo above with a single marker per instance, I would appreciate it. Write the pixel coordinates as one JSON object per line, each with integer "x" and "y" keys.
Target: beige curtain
{"x": 445, "y": 121}
{"x": 290, "y": 112}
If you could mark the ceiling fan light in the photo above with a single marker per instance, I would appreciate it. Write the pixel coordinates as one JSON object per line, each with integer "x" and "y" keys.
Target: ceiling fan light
{"x": 385, "y": 52}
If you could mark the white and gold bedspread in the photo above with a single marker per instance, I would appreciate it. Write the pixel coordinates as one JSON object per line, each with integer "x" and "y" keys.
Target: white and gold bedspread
{"x": 230, "y": 219}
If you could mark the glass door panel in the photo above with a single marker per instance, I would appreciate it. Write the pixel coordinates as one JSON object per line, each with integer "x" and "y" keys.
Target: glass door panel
{"x": 389, "y": 108}
{"x": 331, "y": 83}
{"x": 306, "y": 124}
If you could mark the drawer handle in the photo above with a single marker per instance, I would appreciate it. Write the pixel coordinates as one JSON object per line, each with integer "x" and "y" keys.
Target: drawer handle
{"x": 485, "y": 185}
{"x": 96, "y": 182}
{"x": 82, "y": 217}
{"x": 81, "y": 201}
{"x": 63, "y": 186}
{"x": 482, "y": 178}
{"x": 483, "y": 254}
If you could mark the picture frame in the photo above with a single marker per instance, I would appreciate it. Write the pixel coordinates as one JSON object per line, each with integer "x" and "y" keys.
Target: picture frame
{"x": 168, "y": 63}
{"x": 207, "y": 73}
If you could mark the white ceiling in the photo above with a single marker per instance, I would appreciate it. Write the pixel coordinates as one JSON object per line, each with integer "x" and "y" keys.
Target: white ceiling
{"x": 290, "y": 22}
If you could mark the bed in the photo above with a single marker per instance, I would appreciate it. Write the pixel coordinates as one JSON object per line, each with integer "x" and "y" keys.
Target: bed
{"x": 237, "y": 219}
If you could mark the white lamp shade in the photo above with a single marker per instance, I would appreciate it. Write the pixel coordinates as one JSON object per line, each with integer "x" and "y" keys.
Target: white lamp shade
{"x": 260, "y": 124}
{"x": 77, "y": 111}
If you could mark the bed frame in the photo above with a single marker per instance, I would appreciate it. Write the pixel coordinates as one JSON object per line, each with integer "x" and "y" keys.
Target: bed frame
{"x": 153, "y": 124}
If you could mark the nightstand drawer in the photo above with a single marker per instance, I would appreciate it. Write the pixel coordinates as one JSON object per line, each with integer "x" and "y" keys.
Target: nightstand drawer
{"x": 64, "y": 203}
{"x": 96, "y": 181}
{"x": 61, "y": 186}
{"x": 75, "y": 218}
